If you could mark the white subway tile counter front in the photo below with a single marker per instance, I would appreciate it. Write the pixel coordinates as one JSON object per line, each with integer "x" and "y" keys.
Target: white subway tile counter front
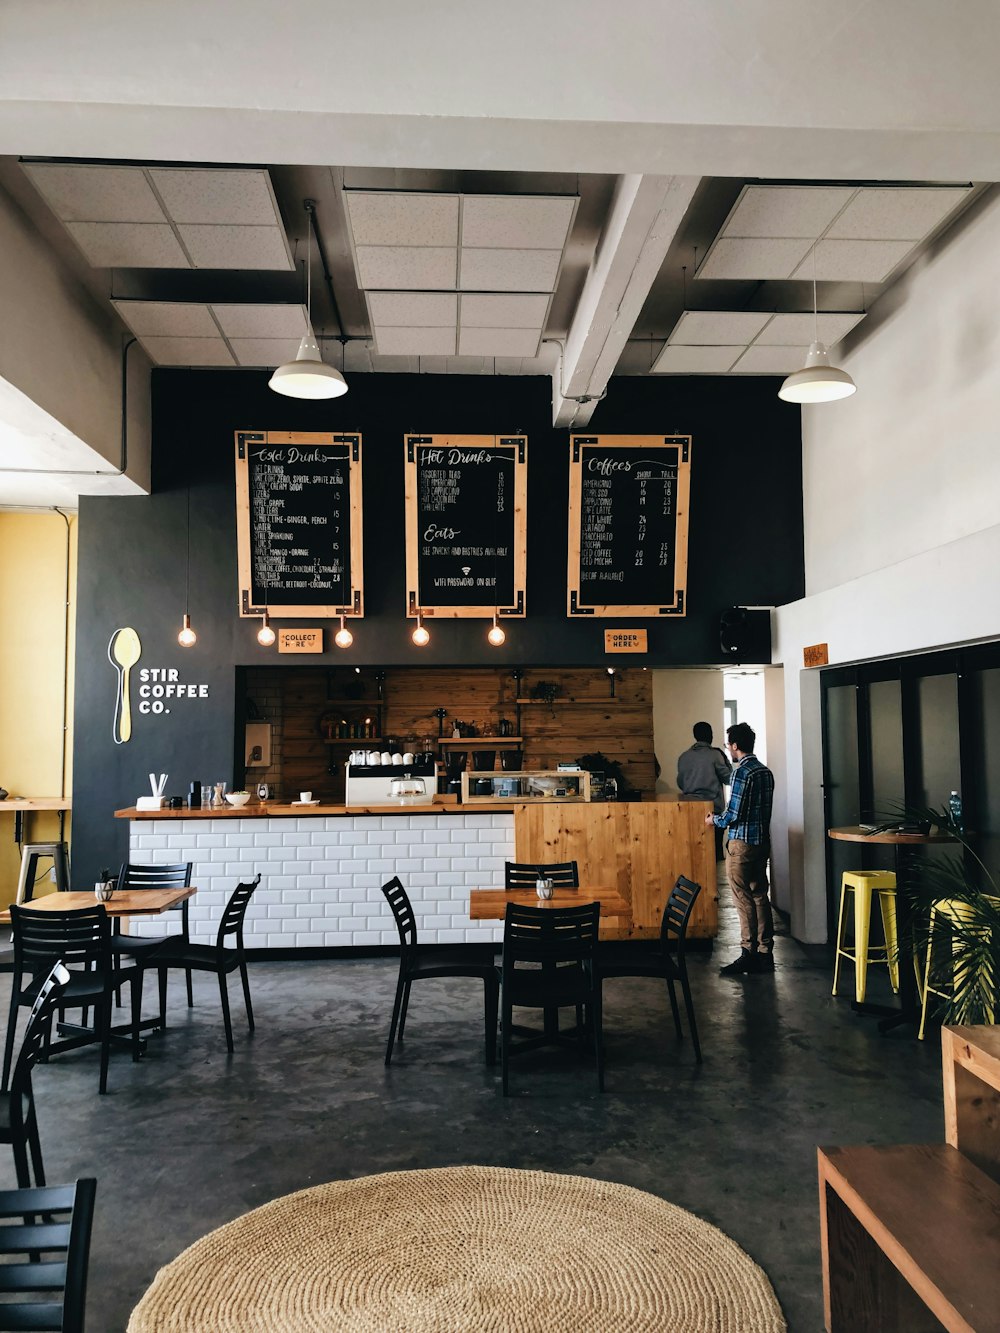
{"x": 321, "y": 875}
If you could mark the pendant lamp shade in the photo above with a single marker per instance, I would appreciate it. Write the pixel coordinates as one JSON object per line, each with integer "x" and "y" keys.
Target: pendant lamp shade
{"x": 818, "y": 381}
{"x": 308, "y": 376}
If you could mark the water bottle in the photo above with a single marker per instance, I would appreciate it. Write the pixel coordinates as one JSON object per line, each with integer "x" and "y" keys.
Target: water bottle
{"x": 955, "y": 807}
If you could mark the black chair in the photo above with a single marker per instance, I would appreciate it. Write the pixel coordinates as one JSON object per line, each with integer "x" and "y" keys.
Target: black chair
{"x": 138, "y": 877}
{"x": 56, "y": 1221}
{"x": 419, "y": 962}
{"x": 18, "y": 1122}
{"x": 625, "y": 958}
{"x": 523, "y": 874}
{"x": 219, "y": 957}
{"x": 81, "y": 940}
{"x": 549, "y": 963}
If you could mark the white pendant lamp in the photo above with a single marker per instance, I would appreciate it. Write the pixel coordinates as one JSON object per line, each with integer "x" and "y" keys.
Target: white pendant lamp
{"x": 266, "y": 635}
{"x": 421, "y": 635}
{"x": 818, "y": 381}
{"x": 343, "y": 637}
{"x": 308, "y": 376}
{"x": 497, "y": 635}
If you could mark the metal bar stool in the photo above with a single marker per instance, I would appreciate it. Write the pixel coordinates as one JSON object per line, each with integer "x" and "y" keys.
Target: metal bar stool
{"x": 864, "y": 883}
{"x": 31, "y": 854}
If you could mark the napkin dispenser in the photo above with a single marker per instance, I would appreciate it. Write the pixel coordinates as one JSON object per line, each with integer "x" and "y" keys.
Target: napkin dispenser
{"x": 150, "y": 802}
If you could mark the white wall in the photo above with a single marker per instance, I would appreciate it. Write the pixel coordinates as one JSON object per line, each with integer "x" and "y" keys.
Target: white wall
{"x": 680, "y": 699}
{"x": 900, "y": 486}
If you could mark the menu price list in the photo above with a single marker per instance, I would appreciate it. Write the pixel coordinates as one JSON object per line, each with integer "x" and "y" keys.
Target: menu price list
{"x": 300, "y": 524}
{"x": 628, "y": 524}
{"x": 465, "y": 524}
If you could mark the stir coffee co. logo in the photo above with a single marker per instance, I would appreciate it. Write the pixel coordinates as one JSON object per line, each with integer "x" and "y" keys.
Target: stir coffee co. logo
{"x": 157, "y": 685}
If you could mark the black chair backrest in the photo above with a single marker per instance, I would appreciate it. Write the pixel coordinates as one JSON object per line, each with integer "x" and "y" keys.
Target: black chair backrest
{"x": 677, "y": 912}
{"x": 35, "y": 1035}
{"x": 549, "y": 934}
{"x": 79, "y": 937}
{"x": 402, "y": 911}
{"x": 55, "y": 1220}
{"x": 522, "y": 874}
{"x": 234, "y": 912}
{"x": 176, "y": 876}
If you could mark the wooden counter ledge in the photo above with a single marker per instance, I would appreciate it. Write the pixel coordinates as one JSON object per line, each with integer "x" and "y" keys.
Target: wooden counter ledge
{"x": 276, "y": 811}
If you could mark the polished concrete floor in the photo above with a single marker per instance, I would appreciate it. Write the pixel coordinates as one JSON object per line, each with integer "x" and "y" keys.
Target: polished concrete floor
{"x": 190, "y": 1138}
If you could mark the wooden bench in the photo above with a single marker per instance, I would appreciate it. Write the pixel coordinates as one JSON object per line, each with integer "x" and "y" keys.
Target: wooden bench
{"x": 911, "y": 1233}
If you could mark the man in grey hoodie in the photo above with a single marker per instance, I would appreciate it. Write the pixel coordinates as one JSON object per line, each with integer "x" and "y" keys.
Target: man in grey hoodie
{"x": 702, "y": 773}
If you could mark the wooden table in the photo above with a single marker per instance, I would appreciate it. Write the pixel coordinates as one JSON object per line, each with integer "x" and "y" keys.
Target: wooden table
{"x": 909, "y": 999}
{"x": 24, "y": 805}
{"x": 491, "y": 904}
{"x": 125, "y": 902}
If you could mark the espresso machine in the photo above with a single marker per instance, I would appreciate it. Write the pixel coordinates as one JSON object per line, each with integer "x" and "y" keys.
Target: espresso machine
{"x": 378, "y": 783}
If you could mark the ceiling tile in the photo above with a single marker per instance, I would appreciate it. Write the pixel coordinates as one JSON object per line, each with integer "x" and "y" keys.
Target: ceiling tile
{"x": 188, "y": 351}
{"x": 206, "y": 194}
{"x": 265, "y": 351}
{"x": 758, "y": 360}
{"x": 95, "y": 194}
{"x": 786, "y": 210}
{"x": 423, "y": 268}
{"x": 516, "y": 222}
{"x": 414, "y": 309}
{"x": 261, "y": 321}
{"x": 718, "y": 328}
{"x": 231, "y": 247}
{"x": 128, "y": 244}
{"x": 853, "y": 261}
{"x": 674, "y": 360}
{"x": 753, "y": 258}
{"x": 167, "y": 319}
{"x": 498, "y": 342}
{"x": 885, "y": 213}
{"x": 799, "y": 330}
{"x": 508, "y": 310}
{"x": 509, "y": 270}
{"x": 415, "y": 342}
{"x": 395, "y": 217}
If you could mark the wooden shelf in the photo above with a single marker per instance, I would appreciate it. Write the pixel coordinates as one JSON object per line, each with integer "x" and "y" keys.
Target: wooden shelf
{"x": 567, "y": 703}
{"x": 356, "y": 741}
{"x": 481, "y": 743}
{"x": 356, "y": 703}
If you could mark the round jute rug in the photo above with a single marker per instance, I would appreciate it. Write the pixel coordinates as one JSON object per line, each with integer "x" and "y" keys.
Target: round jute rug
{"x": 463, "y": 1248}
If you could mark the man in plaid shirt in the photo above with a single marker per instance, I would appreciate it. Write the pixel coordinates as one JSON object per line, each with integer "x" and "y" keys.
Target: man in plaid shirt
{"x": 748, "y": 819}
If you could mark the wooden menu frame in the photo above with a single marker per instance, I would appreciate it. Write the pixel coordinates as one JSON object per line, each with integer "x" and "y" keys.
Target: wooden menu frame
{"x": 677, "y": 606}
{"x": 517, "y": 446}
{"x": 354, "y": 606}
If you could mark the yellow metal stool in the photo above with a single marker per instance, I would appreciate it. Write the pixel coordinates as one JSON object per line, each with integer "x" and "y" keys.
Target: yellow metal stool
{"x": 863, "y": 883}
{"x": 954, "y": 912}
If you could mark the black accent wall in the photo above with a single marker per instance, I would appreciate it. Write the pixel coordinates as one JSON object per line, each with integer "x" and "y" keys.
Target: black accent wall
{"x": 745, "y": 548}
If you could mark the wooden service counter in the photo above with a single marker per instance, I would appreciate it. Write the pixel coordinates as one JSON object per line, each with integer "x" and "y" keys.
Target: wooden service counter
{"x": 322, "y": 866}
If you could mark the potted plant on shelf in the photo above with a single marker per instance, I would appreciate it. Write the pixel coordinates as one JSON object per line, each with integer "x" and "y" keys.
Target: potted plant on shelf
{"x": 965, "y": 965}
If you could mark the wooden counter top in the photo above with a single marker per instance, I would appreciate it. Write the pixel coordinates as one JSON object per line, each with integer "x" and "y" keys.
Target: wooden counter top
{"x": 276, "y": 811}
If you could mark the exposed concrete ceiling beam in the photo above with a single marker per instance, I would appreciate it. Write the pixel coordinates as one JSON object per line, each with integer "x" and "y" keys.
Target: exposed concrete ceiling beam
{"x": 645, "y": 216}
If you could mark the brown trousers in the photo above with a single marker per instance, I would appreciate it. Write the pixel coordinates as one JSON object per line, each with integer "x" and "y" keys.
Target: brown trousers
{"x": 746, "y": 866}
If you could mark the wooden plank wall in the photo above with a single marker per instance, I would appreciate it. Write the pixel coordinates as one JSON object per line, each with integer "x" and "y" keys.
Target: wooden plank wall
{"x": 584, "y": 718}
{"x": 638, "y": 849}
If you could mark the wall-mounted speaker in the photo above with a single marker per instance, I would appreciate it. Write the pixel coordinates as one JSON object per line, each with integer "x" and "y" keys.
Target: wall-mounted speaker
{"x": 745, "y": 635}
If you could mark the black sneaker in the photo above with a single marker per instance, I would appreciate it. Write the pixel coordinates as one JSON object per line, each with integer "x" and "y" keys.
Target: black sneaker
{"x": 763, "y": 962}
{"x": 740, "y": 966}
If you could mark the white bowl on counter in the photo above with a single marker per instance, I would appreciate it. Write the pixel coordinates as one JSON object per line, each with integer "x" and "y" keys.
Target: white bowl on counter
{"x": 237, "y": 798}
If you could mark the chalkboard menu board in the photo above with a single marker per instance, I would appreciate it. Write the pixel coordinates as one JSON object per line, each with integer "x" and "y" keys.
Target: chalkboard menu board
{"x": 628, "y": 524}
{"x": 466, "y": 505}
{"x": 298, "y": 523}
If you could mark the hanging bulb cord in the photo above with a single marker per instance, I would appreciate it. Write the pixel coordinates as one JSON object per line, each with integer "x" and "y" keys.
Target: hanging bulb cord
{"x": 187, "y": 568}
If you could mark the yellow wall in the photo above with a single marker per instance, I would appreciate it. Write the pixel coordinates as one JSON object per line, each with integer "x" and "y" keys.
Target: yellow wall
{"x": 33, "y": 550}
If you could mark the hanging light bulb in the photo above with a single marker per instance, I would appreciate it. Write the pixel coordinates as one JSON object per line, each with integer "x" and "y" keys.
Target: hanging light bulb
{"x": 497, "y": 634}
{"x": 187, "y": 637}
{"x": 308, "y": 376}
{"x": 343, "y": 637}
{"x": 266, "y": 635}
{"x": 420, "y": 636}
{"x": 818, "y": 381}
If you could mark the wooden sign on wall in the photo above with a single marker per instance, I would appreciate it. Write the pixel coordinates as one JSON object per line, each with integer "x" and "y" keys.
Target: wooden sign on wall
{"x": 300, "y": 640}
{"x": 628, "y": 525}
{"x": 466, "y": 511}
{"x": 298, "y": 524}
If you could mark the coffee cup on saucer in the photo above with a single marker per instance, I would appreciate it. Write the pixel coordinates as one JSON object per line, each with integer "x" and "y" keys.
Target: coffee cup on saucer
{"x": 305, "y": 797}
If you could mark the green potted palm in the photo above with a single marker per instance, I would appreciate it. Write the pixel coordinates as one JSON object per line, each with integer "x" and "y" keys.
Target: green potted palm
{"x": 965, "y": 964}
